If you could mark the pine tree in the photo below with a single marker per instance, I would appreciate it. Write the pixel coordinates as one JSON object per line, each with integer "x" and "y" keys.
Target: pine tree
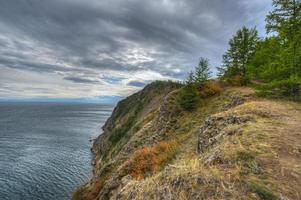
{"x": 202, "y": 71}
{"x": 190, "y": 80}
{"x": 285, "y": 20}
{"x": 242, "y": 47}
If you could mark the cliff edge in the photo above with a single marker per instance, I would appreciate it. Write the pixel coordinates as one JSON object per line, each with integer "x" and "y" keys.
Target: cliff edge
{"x": 232, "y": 145}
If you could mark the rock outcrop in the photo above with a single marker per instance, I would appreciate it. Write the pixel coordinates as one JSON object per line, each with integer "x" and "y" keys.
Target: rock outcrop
{"x": 214, "y": 129}
{"x": 234, "y": 100}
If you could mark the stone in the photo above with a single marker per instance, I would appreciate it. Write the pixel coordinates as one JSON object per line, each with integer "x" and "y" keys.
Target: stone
{"x": 214, "y": 158}
{"x": 213, "y": 129}
{"x": 234, "y": 100}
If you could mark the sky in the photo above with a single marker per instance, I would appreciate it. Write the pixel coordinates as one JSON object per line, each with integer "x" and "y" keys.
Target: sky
{"x": 102, "y": 49}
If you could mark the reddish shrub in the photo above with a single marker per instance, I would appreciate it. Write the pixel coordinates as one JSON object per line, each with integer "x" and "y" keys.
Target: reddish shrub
{"x": 236, "y": 80}
{"x": 150, "y": 159}
{"x": 95, "y": 189}
{"x": 210, "y": 88}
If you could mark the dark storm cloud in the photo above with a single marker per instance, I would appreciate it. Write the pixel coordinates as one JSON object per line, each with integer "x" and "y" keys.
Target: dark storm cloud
{"x": 81, "y": 80}
{"x": 20, "y": 63}
{"x": 137, "y": 83}
{"x": 111, "y": 79}
{"x": 165, "y": 36}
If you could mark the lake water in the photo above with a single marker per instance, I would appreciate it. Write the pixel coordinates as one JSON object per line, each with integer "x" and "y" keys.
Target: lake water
{"x": 45, "y": 148}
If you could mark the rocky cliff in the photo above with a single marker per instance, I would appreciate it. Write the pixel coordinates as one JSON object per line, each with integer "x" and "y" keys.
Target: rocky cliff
{"x": 231, "y": 146}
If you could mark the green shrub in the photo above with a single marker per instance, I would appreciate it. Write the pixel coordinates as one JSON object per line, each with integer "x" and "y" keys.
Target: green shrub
{"x": 290, "y": 87}
{"x": 262, "y": 191}
{"x": 188, "y": 97}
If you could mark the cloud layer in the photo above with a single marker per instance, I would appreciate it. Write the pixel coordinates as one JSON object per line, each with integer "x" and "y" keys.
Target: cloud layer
{"x": 75, "y": 48}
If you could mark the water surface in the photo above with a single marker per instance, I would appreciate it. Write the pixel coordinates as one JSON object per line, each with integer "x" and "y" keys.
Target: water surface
{"x": 45, "y": 148}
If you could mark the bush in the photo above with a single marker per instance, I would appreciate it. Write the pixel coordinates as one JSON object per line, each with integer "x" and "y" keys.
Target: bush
{"x": 282, "y": 88}
{"x": 148, "y": 160}
{"x": 93, "y": 193}
{"x": 236, "y": 80}
{"x": 188, "y": 97}
{"x": 210, "y": 88}
{"x": 85, "y": 193}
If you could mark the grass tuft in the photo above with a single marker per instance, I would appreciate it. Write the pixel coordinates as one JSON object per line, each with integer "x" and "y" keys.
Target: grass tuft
{"x": 262, "y": 191}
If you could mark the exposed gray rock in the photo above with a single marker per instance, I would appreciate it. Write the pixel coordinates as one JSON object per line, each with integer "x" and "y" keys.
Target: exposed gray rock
{"x": 213, "y": 129}
{"x": 234, "y": 100}
{"x": 214, "y": 157}
{"x": 282, "y": 197}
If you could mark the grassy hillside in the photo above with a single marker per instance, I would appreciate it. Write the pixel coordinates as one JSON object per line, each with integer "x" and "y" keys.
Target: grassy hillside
{"x": 232, "y": 145}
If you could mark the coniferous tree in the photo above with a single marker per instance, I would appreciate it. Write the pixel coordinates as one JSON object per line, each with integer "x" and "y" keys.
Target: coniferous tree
{"x": 266, "y": 63}
{"x": 202, "y": 71}
{"x": 188, "y": 96}
{"x": 285, "y": 20}
{"x": 190, "y": 80}
{"x": 242, "y": 47}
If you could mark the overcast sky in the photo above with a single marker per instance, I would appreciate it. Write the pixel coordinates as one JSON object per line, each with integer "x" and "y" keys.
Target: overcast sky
{"x": 100, "y": 48}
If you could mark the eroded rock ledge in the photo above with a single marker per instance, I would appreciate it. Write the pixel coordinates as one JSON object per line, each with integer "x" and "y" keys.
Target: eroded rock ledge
{"x": 215, "y": 128}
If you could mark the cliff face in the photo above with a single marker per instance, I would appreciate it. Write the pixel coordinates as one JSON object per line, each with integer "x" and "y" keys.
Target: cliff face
{"x": 129, "y": 114}
{"x": 130, "y": 118}
{"x": 232, "y": 146}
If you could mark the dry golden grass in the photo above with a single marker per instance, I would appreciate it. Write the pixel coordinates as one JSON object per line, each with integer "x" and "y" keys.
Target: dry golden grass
{"x": 261, "y": 161}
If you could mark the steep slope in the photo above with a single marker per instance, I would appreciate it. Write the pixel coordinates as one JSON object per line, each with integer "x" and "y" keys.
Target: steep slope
{"x": 232, "y": 146}
{"x": 250, "y": 152}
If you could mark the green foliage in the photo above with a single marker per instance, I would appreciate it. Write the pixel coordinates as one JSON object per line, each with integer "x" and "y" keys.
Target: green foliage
{"x": 241, "y": 49}
{"x": 191, "y": 79}
{"x": 122, "y": 131}
{"x": 290, "y": 87}
{"x": 262, "y": 191}
{"x": 198, "y": 85}
{"x": 202, "y": 72}
{"x": 245, "y": 156}
{"x": 285, "y": 21}
{"x": 274, "y": 60}
{"x": 190, "y": 94}
{"x": 159, "y": 86}
{"x": 188, "y": 97}
{"x": 130, "y": 108}
{"x": 267, "y": 63}
{"x": 285, "y": 18}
